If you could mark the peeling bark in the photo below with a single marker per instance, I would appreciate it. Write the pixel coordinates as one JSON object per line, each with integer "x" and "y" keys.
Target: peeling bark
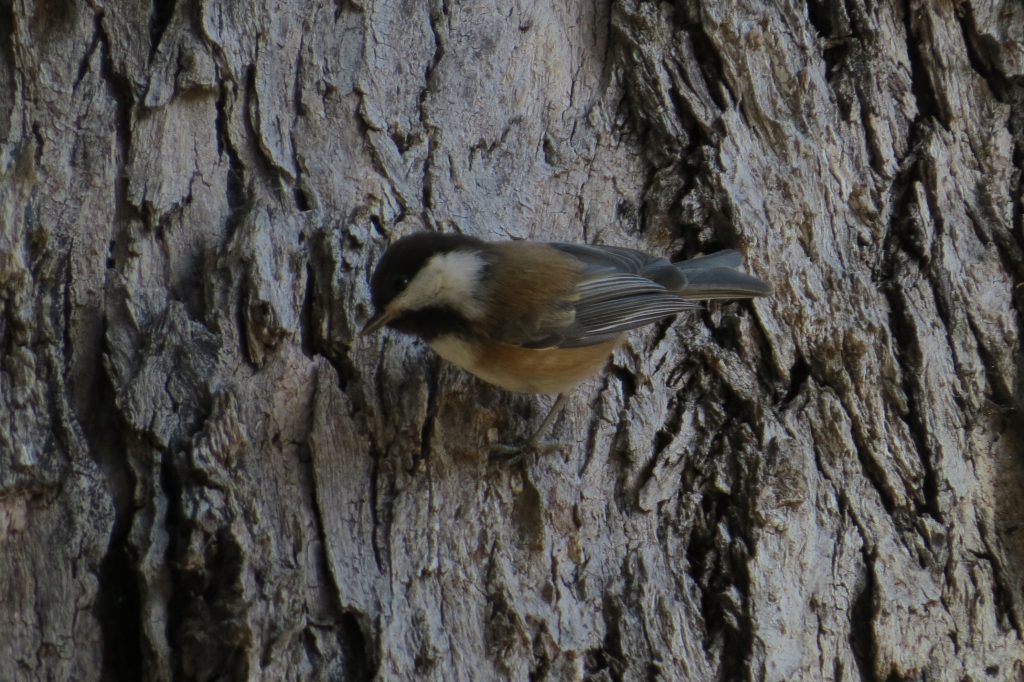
{"x": 205, "y": 473}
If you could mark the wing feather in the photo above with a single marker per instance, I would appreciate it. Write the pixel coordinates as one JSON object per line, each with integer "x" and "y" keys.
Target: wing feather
{"x": 622, "y": 289}
{"x": 610, "y": 303}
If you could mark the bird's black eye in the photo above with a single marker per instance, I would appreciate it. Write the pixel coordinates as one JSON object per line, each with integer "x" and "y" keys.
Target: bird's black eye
{"x": 400, "y": 283}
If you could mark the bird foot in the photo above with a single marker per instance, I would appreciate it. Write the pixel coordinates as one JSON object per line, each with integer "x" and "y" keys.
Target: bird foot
{"x": 513, "y": 453}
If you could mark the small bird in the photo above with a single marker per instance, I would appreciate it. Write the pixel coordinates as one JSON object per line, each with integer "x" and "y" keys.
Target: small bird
{"x": 537, "y": 317}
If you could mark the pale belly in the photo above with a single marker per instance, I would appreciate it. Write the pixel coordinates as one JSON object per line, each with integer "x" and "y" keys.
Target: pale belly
{"x": 526, "y": 370}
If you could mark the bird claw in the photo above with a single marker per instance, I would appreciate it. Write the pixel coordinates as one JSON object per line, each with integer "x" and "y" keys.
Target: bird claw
{"x": 513, "y": 453}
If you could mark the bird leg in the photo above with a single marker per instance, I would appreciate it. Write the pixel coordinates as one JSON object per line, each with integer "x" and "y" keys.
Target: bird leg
{"x": 511, "y": 452}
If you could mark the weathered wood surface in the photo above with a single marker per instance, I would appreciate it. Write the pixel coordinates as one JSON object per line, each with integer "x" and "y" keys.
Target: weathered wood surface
{"x": 206, "y": 474}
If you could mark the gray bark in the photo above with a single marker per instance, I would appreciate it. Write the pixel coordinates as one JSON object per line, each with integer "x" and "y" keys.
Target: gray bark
{"x": 206, "y": 474}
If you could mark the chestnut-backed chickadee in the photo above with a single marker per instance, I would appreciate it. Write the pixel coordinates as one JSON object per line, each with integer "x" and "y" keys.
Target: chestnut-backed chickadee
{"x": 537, "y": 317}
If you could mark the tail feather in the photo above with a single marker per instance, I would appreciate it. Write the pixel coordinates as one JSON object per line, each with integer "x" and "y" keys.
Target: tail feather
{"x": 728, "y": 258}
{"x": 708, "y": 277}
{"x": 721, "y": 283}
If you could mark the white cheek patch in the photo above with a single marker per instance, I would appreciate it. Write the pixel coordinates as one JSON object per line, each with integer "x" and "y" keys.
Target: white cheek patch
{"x": 450, "y": 279}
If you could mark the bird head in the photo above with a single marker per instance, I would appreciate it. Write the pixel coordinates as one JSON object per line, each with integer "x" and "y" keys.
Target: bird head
{"x": 427, "y": 283}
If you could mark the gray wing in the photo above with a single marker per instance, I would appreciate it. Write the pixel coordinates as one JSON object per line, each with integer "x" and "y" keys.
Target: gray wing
{"x": 613, "y": 302}
{"x": 614, "y": 295}
{"x": 622, "y": 289}
{"x": 611, "y": 257}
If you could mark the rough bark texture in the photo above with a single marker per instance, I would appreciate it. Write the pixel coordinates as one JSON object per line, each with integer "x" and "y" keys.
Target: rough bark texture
{"x": 205, "y": 473}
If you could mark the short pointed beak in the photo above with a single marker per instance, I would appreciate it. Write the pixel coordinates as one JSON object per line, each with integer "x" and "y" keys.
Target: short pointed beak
{"x": 376, "y": 322}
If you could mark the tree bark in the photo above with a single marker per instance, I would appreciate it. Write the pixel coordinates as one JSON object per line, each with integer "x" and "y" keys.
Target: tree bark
{"x": 205, "y": 473}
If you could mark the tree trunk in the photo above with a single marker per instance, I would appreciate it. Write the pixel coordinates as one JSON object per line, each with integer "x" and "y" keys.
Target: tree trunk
{"x": 205, "y": 473}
